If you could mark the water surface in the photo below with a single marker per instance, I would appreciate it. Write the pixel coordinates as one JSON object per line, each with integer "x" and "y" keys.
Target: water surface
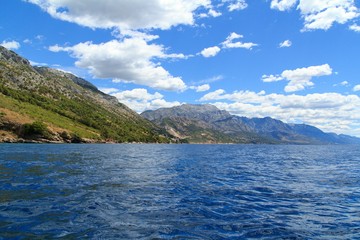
{"x": 179, "y": 192}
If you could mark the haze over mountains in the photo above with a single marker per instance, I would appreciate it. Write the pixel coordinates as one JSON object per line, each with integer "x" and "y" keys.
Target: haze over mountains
{"x": 47, "y": 105}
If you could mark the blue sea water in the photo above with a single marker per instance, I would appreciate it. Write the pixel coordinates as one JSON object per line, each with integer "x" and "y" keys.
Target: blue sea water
{"x": 179, "y": 192}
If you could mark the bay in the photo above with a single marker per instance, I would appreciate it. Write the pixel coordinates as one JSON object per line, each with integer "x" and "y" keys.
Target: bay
{"x": 136, "y": 191}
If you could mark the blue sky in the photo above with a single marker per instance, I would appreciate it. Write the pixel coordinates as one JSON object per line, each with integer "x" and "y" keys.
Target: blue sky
{"x": 294, "y": 60}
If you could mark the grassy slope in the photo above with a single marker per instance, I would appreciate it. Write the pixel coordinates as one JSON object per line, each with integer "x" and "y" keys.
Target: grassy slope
{"x": 23, "y": 112}
{"x": 26, "y": 96}
{"x": 74, "y": 116}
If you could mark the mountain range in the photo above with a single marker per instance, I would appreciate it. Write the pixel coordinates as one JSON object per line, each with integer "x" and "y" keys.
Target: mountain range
{"x": 208, "y": 124}
{"x": 42, "y": 104}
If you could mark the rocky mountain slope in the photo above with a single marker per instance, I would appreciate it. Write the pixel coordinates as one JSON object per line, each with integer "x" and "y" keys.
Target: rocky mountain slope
{"x": 208, "y": 124}
{"x": 44, "y": 104}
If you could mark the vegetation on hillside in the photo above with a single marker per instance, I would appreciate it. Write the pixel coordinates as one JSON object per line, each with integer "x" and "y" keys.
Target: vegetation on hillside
{"x": 80, "y": 118}
{"x": 50, "y": 104}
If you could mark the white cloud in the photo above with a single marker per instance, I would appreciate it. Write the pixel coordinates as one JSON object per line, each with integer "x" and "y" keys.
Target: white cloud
{"x": 40, "y": 38}
{"x": 12, "y": 45}
{"x": 216, "y": 95}
{"x": 109, "y": 90}
{"x": 209, "y": 80}
{"x": 32, "y": 63}
{"x": 356, "y": 88}
{"x": 332, "y": 112}
{"x": 140, "y": 99}
{"x": 237, "y": 5}
{"x": 271, "y": 78}
{"x": 134, "y": 14}
{"x": 214, "y": 79}
{"x": 355, "y": 28}
{"x": 131, "y": 61}
{"x": 214, "y": 13}
{"x": 344, "y": 83}
{"x": 282, "y": 5}
{"x": 234, "y": 5}
{"x": 229, "y": 42}
{"x": 286, "y": 43}
{"x": 57, "y": 48}
{"x": 210, "y": 52}
{"x": 320, "y": 14}
{"x": 133, "y": 34}
{"x": 139, "y": 94}
{"x": 27, "y": 41}
{"x": 211, "y": 13}
{"x": 201, "y": 88}
{"x": 299, "y": 78}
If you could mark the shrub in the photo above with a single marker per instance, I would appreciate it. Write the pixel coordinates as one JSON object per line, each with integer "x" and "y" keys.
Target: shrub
{"x": 75, "y": 138}
{"x": 35, "y": 129}
{"x": 65, "y": 135}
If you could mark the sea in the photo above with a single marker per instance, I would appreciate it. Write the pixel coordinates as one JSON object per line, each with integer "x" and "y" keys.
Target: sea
{"x": 155, "y": 191}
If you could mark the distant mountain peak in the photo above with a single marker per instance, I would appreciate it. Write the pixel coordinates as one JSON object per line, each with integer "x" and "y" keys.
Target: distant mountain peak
{"x": 198, "y": 107}
{"x": 208, "y": 124}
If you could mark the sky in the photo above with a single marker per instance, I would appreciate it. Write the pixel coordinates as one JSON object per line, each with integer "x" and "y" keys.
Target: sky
{"x": 293, "y": 60}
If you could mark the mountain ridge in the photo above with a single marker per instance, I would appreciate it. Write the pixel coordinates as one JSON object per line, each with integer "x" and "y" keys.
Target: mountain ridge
{"x": 41, "y": 104}
{"x": 208, "y": 124}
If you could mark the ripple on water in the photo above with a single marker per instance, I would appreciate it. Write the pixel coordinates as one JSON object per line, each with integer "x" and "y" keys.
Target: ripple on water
{"x": 179, "y": 191}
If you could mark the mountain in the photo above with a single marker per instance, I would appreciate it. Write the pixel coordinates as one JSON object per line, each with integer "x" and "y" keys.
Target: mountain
{"x": 47, "y": 105}
{"x": 208, "y": 124}
{"x": 41, "y": 104}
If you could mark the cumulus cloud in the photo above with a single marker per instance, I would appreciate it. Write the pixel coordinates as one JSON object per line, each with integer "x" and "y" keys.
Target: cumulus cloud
{"x": 332, "y": 112}
{"x": 201, "y": 88}
{"x": 214, "y": 13}
{"x": 131, "y": 60}
{"x": 285, "y": 44}
{"x": 12, "y": 45}
{"x": 299, "y": 78}
{"x": 230, "y": 5}
{"x": 139, "y": 99}
{"x": 356, "y": 88}
{"x": 237, "y": 5}
{"x": 230, "y": 43}
{"x": 282, "y": 5}
{"x": 355, "y": 28}
{"x": 272, "y": 78}
{"x": 320, "y": 14}
{"x": 210, "y": 52}
{"x": 134, "y": 14}
{"x": 233, "y": 5}
{"x": 211, "y": 13}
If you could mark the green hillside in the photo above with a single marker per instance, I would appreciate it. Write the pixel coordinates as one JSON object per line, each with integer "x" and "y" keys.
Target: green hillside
{"x": 48, "y": 105}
